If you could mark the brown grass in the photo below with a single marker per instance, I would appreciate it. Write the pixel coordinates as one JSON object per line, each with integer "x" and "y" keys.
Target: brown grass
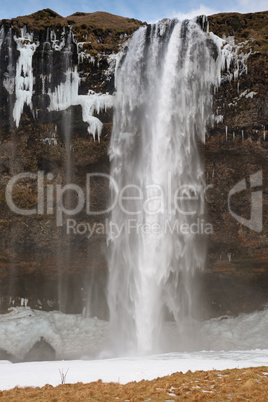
{"x": 98, "y": 20}
{"x": 86, "y": 26}
{"x": 251, "y": 26}
{"x": 90, "y": 27}
{"x": 238, "y": 385}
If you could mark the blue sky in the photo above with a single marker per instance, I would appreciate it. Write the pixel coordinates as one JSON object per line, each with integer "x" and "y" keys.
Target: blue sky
{"x": 145, "y": 10}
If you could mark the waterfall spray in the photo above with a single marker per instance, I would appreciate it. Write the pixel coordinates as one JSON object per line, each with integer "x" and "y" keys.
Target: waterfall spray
{"x": 163, "y": 105}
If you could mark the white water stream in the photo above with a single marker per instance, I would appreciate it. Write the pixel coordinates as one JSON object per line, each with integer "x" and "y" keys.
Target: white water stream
{"x": 163, "y": 104}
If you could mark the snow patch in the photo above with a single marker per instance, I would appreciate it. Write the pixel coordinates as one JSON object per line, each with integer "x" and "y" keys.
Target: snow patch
{"x": 50, "y": 140}
{"x": 251, "y": 94}
{"x": 124, "y": 370}
{"x": 247, "y": 94}
{"x": 75, "y": 336}
{"x": 70, "y": 335}
{"x": 218, "y": 119}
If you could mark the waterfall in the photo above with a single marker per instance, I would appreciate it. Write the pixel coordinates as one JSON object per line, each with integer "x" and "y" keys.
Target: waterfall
{"x": 163, "y": 104}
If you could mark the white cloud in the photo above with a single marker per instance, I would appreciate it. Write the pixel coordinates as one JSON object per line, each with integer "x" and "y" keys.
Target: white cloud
{"x": 202, "y": 10}
{"x": 240, "y": 6}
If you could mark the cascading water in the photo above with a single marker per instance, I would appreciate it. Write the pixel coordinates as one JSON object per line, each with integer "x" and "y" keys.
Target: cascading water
{"x": 67, "y": 119}
{"x": 163, "y": 105}
{"x": 9, "y": 84}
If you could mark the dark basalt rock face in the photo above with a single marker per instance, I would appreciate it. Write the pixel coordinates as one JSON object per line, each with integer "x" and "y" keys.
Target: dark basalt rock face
{"x": 238, "y": 256}
{"x": 40, "y": 261}
{"x": 35, "y": 253}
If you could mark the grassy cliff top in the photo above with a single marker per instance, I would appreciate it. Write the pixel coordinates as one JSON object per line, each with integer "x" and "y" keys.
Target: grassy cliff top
{"x": 251, "y": 26}
{"x": 104, "y": 30}
{"x": 101, "y": 29}
{"x": 98, "y": 20}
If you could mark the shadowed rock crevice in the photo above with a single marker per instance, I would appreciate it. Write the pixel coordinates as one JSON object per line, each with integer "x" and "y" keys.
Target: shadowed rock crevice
{"x": 40, "y": 351}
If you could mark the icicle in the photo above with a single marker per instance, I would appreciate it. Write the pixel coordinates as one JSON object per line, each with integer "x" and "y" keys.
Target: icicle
{"x": 264, "y": 133}
{"x": 229, "y": 52}
{"x": 56, "y": 44}
{"x": 66, "y": 95}
{"x": 9, "y": 81}
{"x": 2, "y": 35}
{"x": 43, "y": 78}
{"x": 219, "y": 118}
{"x": 226, "y": 132}
{"x": 24, "y": 73}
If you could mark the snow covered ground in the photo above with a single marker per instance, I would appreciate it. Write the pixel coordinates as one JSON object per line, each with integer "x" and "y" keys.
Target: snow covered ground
{"x": 123, "y": 370}
{"x": 75, "y": 337}
{"x": 71, "y": 336}
{"x": 214, "y": 344}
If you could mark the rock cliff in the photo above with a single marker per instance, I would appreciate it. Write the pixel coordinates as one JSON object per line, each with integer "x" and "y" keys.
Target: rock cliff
{"x": 56, "y": 87}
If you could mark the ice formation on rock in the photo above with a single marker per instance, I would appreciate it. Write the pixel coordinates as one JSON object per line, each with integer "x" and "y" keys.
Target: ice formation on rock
{"x": 66, "y": 95}
{"x": 24, "y": 79}
{"x": 20, "y": 77}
